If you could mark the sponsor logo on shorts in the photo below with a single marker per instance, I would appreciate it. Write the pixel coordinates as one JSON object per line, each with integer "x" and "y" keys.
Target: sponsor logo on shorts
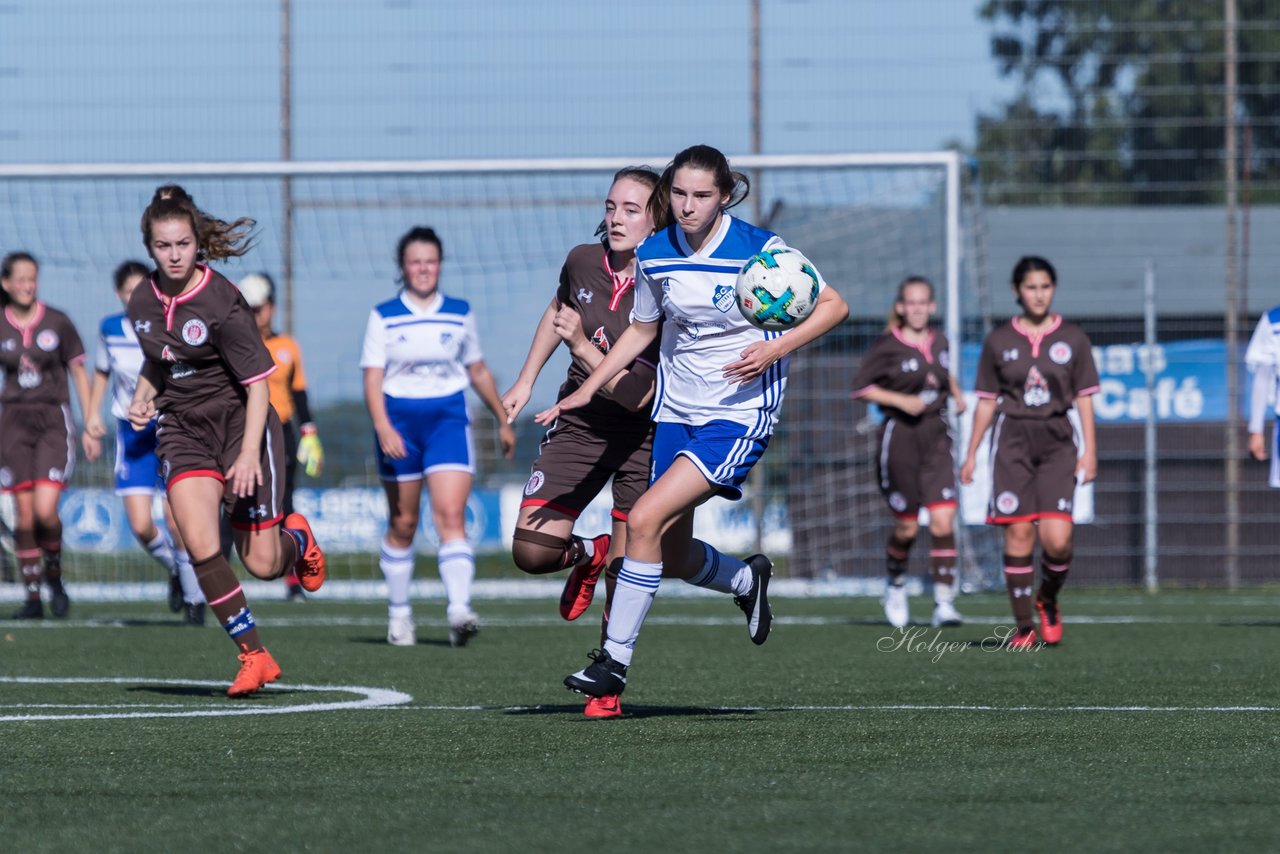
{"x": 1060, "y": 353}
{"x": 535, "y": 483}
{"x": 258, "y": 513}
{"x": 898, "y": 501}
{"x": 57, "y": 475}
{"x": 1064, "y": 505}
{"x": 724, "y": 297}
{"x": 948, "y": 493}
{"x": 47, "y": 340}
{"x": 194, "y": 332}
{"x": 1007, "y": 502}
{"x": 6, "y": 477}
{"x": 164, "y": 470}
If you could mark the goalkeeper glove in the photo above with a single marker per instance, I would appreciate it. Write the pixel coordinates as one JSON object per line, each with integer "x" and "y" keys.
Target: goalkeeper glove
{"x": 310, "y": 451}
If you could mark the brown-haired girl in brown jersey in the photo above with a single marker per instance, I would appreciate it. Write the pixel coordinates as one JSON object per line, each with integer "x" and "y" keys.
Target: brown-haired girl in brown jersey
{"x": 906, "y": 372}
{"x": 610, "y": 438}
{"x": 39, "y": 351}
{"x": 220, "y": 444}
{"x": 1032, "y": 370}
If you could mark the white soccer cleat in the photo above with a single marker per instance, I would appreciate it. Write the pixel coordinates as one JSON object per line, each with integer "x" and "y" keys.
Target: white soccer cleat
{"x": 401, "y": 632}
{"x": 945, "y": 614}
{"x": 895, "y": 606}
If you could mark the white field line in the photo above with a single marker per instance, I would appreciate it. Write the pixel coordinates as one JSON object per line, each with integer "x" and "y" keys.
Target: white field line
{"x": 881, "y": 707}
{"x": 370, "y": 698}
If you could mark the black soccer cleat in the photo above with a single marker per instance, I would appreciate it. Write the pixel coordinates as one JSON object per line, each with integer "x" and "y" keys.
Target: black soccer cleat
{"x": 59, "y": 604}
{"x": 193, "y": 615}
{"x": 756, "y": 603}
{"x": 603, "y": 677}
{"x": 30, "y": 610}
{"x": 175, "y": 593}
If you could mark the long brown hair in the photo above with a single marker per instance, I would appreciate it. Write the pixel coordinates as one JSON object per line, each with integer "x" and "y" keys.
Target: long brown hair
{"x": 735, "y": 185}
{"x": 639, "y": 174}
{"x": 6, "y": 271}
{"x": 896, "y": 321}
{"x": 216, "y": 239}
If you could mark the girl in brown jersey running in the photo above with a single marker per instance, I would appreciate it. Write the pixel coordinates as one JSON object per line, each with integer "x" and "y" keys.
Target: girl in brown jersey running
{"x": 906, "y": 372}
{"x": 39, "y": 351}
{"x": 219, "y": 441}
{"x": 1031, "y": 371}
{"x": 610, "y": 438}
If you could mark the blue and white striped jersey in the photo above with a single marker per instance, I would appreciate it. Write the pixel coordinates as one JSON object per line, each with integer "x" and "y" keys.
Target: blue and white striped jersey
{"x": 704, "y": 330}
{"x": 423, "y": 352}
{"x": 120, "y": 355}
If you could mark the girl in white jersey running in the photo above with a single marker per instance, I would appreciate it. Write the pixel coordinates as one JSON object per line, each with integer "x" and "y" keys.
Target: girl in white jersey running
{"x": 137, "y": 468}
{"x": 720, "y": 386}
{"x": 420, "y": 353}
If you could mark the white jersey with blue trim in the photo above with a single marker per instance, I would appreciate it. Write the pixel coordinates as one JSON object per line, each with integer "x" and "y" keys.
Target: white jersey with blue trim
{"x": 703, "y": 330}
{"x": 1263, "y": 359}
{"x": 120, "y": 355}
{"x": 423, "y": 352}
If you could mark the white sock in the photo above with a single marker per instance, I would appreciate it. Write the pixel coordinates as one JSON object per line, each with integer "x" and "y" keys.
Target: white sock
{"x": 397, "y": 568}
{"x": 637, "y": 585}
{"x": 191, "y": 592}
{"x": 723, "y": 573}
{"x": 457, "y": 563}
{"x": 161, "y": 548}
{"x": 588, "y": 550}
{"x": 943, "y": 594}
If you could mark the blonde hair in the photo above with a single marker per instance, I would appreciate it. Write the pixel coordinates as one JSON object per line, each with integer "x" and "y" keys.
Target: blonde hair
{"x": 897, "y": 320}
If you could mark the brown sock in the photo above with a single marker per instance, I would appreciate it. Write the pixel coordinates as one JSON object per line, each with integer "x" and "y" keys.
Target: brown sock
{"x": 290, "y": 551}
{"x": 28, "y": 555}
{"x": 1053, "y": 570}
{"x": 942, "y": 560}
{"x": 52, "y": 550}
{"x": 610, "y": 582}
{"x": 896, "y": 552}
{"x": 1019, "y": 577}
{"x": 226, "y": 600}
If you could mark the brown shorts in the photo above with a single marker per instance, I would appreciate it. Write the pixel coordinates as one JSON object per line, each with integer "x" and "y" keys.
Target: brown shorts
{"x": 36, "y": 446}
{"x": 575, "y": 463}
{"x": 915, "y": 465}
{"x": 205, "y": 441}
{"x": 1033, "y": 469}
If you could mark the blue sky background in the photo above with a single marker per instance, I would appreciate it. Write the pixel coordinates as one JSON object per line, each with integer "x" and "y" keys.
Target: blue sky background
{"x": 184, "y": 80}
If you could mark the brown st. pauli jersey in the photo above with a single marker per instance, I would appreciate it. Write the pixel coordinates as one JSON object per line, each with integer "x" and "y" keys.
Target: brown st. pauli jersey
{"x": 895, "y": 364}
{"x": 1036, "y": 375}
{"x": 35, "y": 355}
{"x": 604, "y": 300}
{"x": 203, "y": 346}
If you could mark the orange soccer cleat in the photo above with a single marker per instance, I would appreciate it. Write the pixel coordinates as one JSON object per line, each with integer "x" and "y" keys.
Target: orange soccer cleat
{"x": 257, "y": 668}
{"x": 310, "y": 566}
{"x": 580, "y": 586}
{"x": 609, "y": 706}
{"x": 1050, "y": 622}
{"x": 1022, "y": 639}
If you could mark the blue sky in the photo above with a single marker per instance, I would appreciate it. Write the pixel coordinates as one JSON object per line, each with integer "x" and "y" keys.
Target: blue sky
{"x": 189, "y": 80}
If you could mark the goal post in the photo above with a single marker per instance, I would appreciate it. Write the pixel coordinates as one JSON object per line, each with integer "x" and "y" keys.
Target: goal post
{"x": 865, "y": 219}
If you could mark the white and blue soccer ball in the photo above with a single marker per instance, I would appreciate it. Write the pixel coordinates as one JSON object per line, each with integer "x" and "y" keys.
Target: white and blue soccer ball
{"x": 777, "y": 289}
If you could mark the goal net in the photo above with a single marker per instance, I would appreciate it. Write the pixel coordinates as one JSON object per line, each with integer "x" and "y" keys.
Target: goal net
{"x": 327, "y": 234}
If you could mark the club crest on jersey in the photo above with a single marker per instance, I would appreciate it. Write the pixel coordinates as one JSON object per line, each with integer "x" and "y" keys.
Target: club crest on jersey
{"x": 585, "y": 295}
{"x": 601, "y": 340}
{"x": 535, "y": 483}
{"x": 194, "y": 332}
{"x": 47, "y": 340}
{"x": 1036, "y": 390}
{"x": 1060, "y": 353}
{"x": 724, "y": 297}
{"x": 1007, "y": 502}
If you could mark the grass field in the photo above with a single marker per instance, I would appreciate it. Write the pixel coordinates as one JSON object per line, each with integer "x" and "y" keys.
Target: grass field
{"x": 1153, "y": 727}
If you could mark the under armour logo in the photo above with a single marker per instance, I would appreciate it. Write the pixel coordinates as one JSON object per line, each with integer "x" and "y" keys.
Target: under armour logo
{"x": 585, "y": 295}
{"x": 1011, "y": 355}
{"x": 1064, "y": 505}
{"x": 142, "y": 326}
{"x": 910, "y": 366}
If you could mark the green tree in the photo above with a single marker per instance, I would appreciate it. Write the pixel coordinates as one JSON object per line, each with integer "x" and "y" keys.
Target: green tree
{"x": 1121, "y": 101}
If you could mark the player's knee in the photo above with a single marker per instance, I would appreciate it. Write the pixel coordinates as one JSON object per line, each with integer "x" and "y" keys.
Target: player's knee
{"x": 403, "y": 526}
{"x": 1058, "y": 554}
{"x": 906, "y": 529}
{"x": 643, "y": 524}
{"x": 537, "y": 553}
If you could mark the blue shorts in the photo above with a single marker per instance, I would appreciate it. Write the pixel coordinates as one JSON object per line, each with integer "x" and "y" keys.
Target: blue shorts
{"x": 436, "y": 433}
{"x": 722, "y": 450}
{"x": 137, "y": 466}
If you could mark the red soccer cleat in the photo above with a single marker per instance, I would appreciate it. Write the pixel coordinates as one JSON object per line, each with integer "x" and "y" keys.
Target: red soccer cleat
{"x": 310, "y": 565}
{"x": 1022, "y": 639}
{"x": 1050, "y": 622}
{"x": 580, "y": 586}
{"x": 609, "y": 706}
{"x": 257, "y": 668}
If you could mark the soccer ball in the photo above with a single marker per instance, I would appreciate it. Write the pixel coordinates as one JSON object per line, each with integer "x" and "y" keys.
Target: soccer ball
{"x": 777, "y": 289}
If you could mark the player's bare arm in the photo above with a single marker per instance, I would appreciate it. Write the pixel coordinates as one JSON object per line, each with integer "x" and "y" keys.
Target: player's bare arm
{"x": 829, "y": 312}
